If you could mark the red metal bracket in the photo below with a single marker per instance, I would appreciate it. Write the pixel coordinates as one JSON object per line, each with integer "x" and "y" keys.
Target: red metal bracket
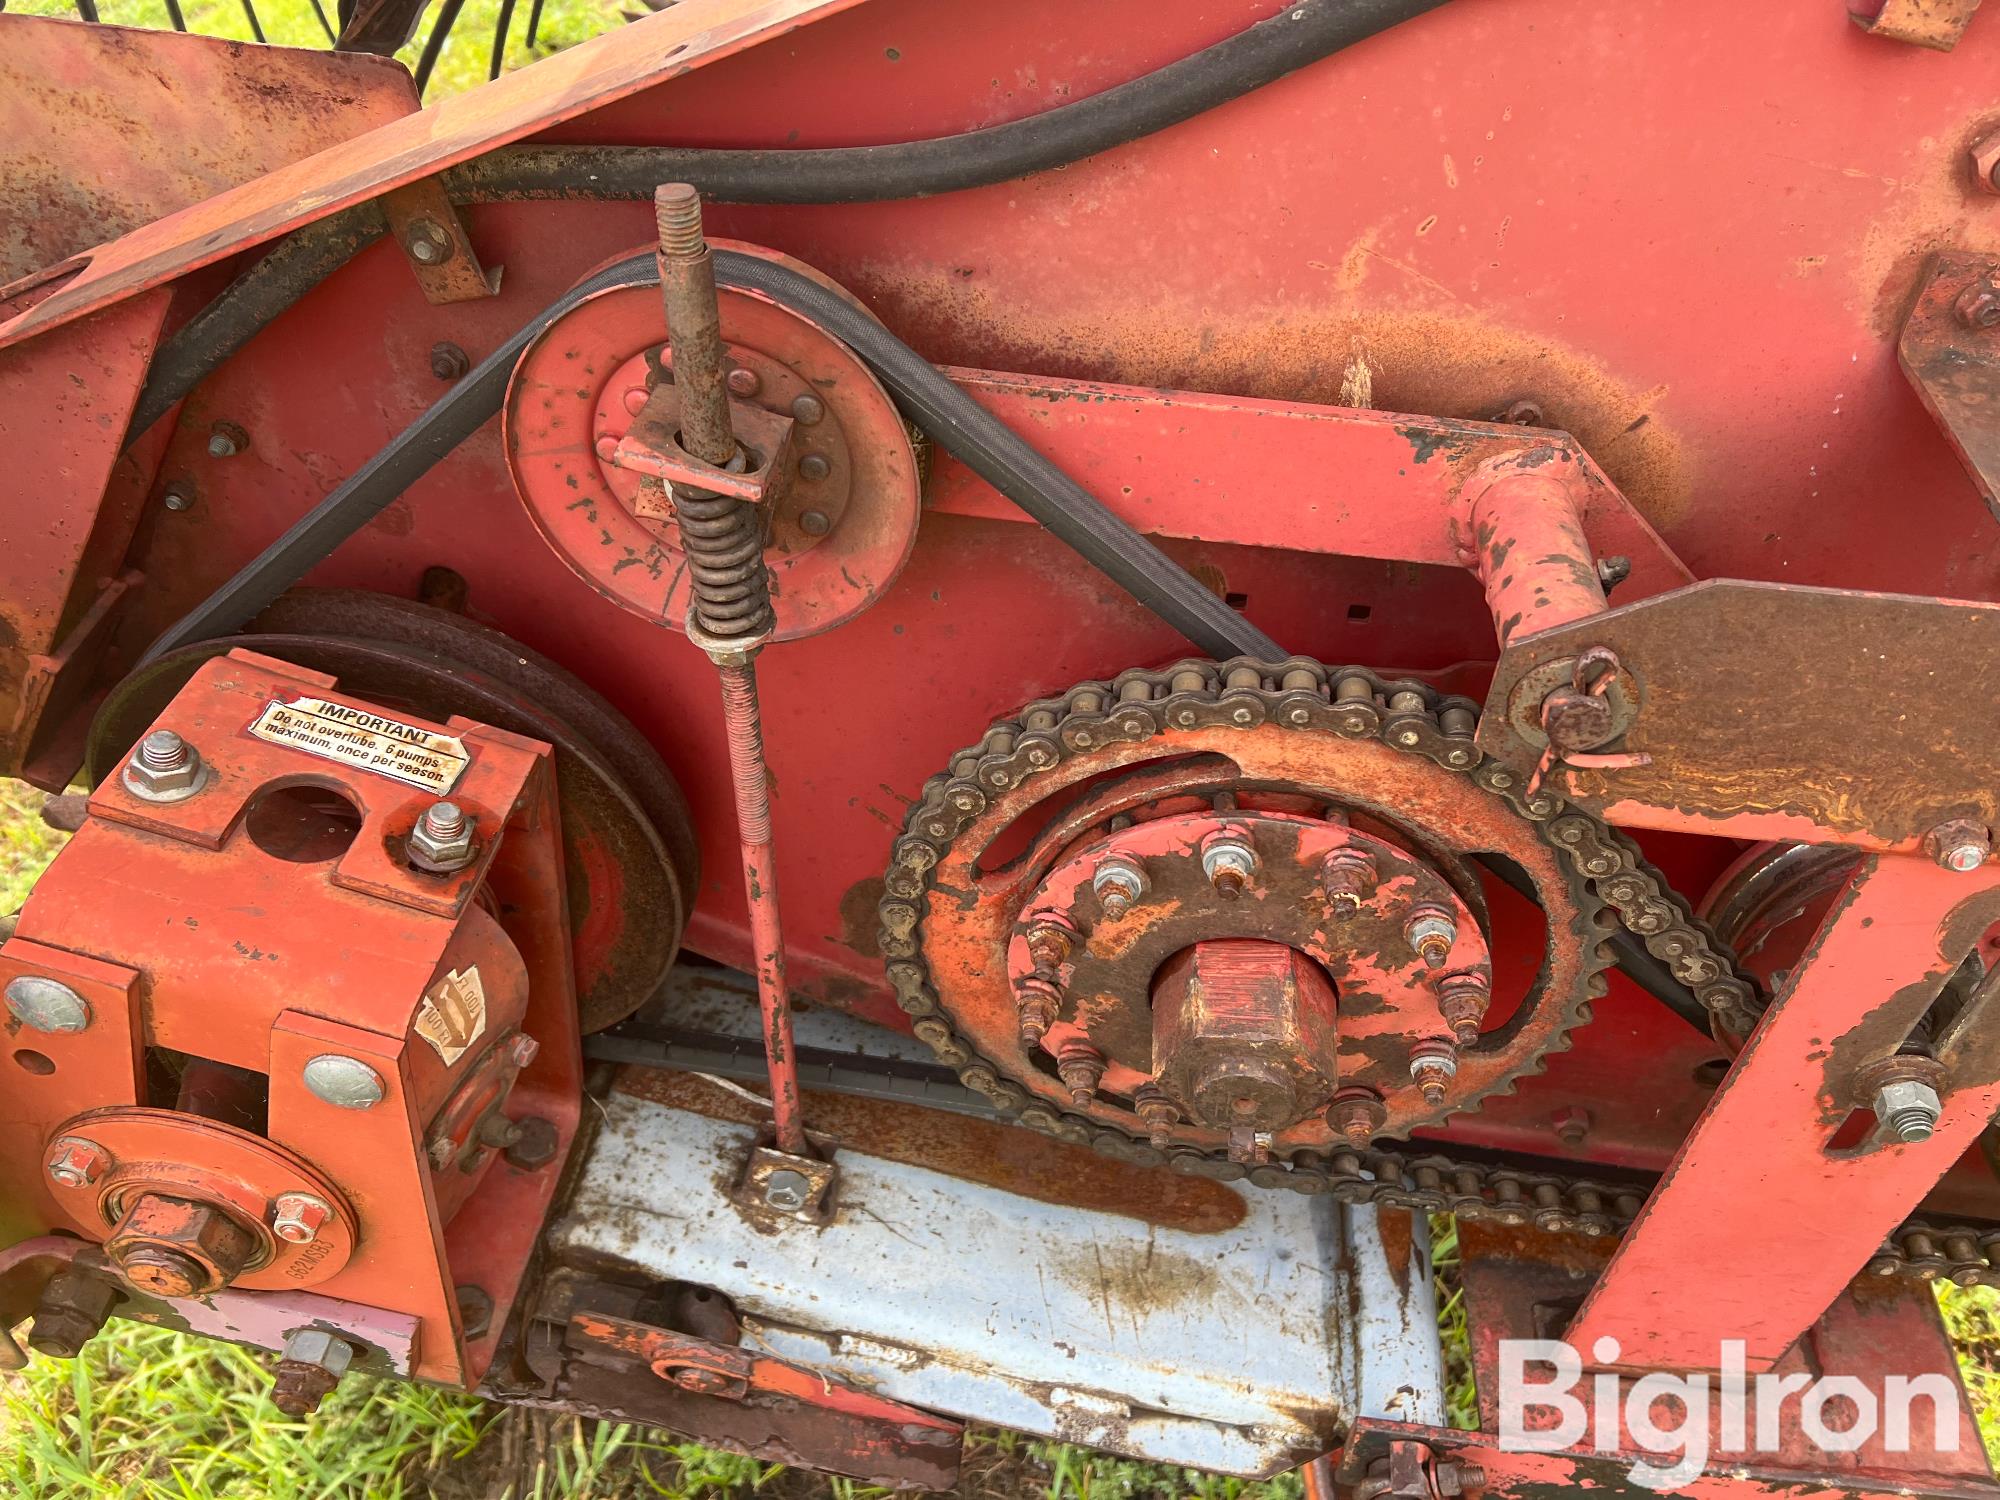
{"x": 1950, "y": 350}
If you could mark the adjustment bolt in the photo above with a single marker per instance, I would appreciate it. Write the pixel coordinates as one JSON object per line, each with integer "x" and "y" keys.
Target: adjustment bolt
{"x": 1157, "y": 1113}
{"x": 1348, "y": 876}
{"x": 786, "y": 1190}
{"x": 313, "y": 1362}
{"x": 807, "y": 410}
{"x": 1118, "y": 885}
{"x": 42, "y": 1004}
{"x": 164, "y": 768}
{"x": 1908, "y": 1110}
{"x": 1432, "y": 1066}
{"x": 77, "y": 1163}
{"x": 297, "y": 1218}
{"x": 1959, "y": 844}
{"x": 1081, "y": 1068}
{"x": 1431, "y": 933}
{"x": 1228, "y": 862}
{"x": 744, "y": 383}
{"x": 441, "y": 841}
{"x": 345, "y": 1082}
{"x": 1358, "y": 1114}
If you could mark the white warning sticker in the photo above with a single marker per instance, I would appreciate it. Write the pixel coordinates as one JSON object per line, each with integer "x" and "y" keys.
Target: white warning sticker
{"x": 355, "y": 737}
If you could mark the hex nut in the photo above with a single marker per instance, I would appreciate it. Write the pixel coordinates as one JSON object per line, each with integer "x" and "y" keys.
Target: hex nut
{"x": 164, "y": 768}
{"x": 786, "y": 1190}
{"x": 177, "y": 1247}
{"x": 1908, "y": 1110}
{"x": 297, "y": 1218}
{"x": 441, "y": 842}
{"x": 74, "y": 1162}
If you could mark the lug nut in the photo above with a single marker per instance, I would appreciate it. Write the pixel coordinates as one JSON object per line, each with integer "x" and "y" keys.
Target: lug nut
{"x": 1959, "y": 844}
{"x": 1157, "y": 1113}
{"x": 1228, "y": 862}
{"x": 298, "y": 1217}
{"x": 1462, "y": 1001}
{"x": 1908, "y": 1110}
{"x": 1081, "y": 1068}
{"x": 1118, "y": 885}
{"x": 1357, "y": 1114}
{"x": 1348, "y": 876}
{"x": 75, "y": 1162}
{"x": 1433, "y": 1065}
{"x": 1431, "y": 933}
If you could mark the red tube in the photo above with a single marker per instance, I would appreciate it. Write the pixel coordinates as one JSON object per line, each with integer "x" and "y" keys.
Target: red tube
{"x": 1530, "y": 550}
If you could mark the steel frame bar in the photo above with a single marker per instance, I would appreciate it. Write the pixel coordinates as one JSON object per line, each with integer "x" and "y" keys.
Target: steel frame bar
{"x": 1759, "y": 1168}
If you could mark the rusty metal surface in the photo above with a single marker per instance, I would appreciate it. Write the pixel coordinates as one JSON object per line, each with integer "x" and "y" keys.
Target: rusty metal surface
{"x": 842, "y": 513}
{"x": 1794, "y": 714}
{"x": 595, "y": 73}
{"x": 630, "y": 861}
{"x": 1936, "y": 24}
{"x": 753, "y": 1403}
{"x": 105, "y": 129}
{"x": 434, "y": 240}
{"x": 1950, "y": 350}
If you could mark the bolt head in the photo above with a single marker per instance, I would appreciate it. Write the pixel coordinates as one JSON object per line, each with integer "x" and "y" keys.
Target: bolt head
{"x": 164, "y": 768}
{"x": 448, "y": 361}
{"x": 441, "y": 842}
{"x": 315, "y": 1346}
{"x": 807, "y": 410}
{"x": 1978, "y": 306}
{"x": 345, "y": 1082}
{"x": 1959, "y": 844}
{"x": 1228, "y": 862}
{"x": 1431, "y": 934}
{"x": 814, "y": 467}
{"x": 74, "y": 1162}
{"x": 42, "y": 1004}
{"x": 744, "y": 382}
{"x": 815, "y": 523}
{"x": 786, "y": 1190}
{"x": 297, "y": 1218}
{"x": 1118, "y": 884}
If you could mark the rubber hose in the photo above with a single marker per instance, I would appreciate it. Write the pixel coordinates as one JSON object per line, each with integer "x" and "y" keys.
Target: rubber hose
{"x": 1229, "y": 69}
{"x": 952, "y": 419}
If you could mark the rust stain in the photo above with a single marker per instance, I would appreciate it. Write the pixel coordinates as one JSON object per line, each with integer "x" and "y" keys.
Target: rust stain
{"x": 1930, "y": 208}
{"x": 1006, "y": 1157}
{"x": 1436, "y": 360}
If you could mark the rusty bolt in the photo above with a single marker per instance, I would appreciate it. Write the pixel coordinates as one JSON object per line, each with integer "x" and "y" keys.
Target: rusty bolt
{"x": 164, "y": 768}
{"x": 1051, "y": 940}
{"x": 312, "y": 1364}
{"x": 1613, "y": 570}
{"x": 426, "y": 242}
{"x": 1978, "y": 306}
{"x": 1348, "y": 876}
{"x": 815, "y": 523}
{"x": 1228, "y": 861}
{"x": 1432, "y": 1066}
{"x": 226, "y": 440}
{"x": 74, "y": 1162}
{"x": 1572, "y": 1123}
{"x": 441, "y": 842}
{"x": 1081, "y": 1068}
{"x": 1986, "y": 163}
{"x": 814, "y": 467}
{"x": 1036, "y": 1006}
{"x": 1431, "y": 932}
{"x": 1959, "y": 844}
{"x": 177, "y": 1247}
{"x": 807, "y": 410}
{"x": 297, "y": 1218}
{"x": 449, "y": 362}
{"x": 744, "y": 383}
{"x": 70, "y": 1313}
{"x": 1356, "y": 1113}
{"x": 701, "y": 1382}
{"x": 1522, "y": 414}
{"x": 1157, "y": 1113}
{"x": 1119, "y": 884}
{"x": 1462, "y": 1002}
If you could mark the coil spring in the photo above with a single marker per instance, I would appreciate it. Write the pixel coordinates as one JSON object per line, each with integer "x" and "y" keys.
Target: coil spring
{"x": 724, "y": 542}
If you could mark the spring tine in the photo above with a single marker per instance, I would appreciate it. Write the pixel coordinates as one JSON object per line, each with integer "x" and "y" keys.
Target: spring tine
{"x": 256, "y": 27}
{"x": 174, "y": 15}
{"x": 500, "y": 39}
{"x": 324, "y": 24}
{"x": 447, "y": 17}
{"x": 87, "y": 9}
{"x": 534, "y": 23}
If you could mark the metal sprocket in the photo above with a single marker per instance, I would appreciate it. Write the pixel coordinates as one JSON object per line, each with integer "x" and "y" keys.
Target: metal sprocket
{"x": 1183, "y": 707}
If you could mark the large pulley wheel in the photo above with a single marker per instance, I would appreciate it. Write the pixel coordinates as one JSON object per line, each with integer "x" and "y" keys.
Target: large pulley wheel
{"x": 1239, "y": 912}
{"x": 841, "y": 520}
{"x": 628, "y": 841}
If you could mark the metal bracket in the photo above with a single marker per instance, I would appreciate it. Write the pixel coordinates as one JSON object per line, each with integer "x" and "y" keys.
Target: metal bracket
{"x": 652, "y": 446}
{"x": 1950, "y": 350}
{"x": 1936, "y": 24}
{"x": 434, "y": 241}
{"x": 799, "y": 1187}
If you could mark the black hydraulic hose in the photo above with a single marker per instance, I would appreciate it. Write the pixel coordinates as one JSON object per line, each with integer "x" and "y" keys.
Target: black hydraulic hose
{"x": 952, "y": 419}
{"x": 1296, "y": 36}
{"x": 1260, "y": 54}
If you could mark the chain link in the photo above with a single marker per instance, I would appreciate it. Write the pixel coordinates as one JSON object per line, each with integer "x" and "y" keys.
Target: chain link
{"x": 1413, "y": 718}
